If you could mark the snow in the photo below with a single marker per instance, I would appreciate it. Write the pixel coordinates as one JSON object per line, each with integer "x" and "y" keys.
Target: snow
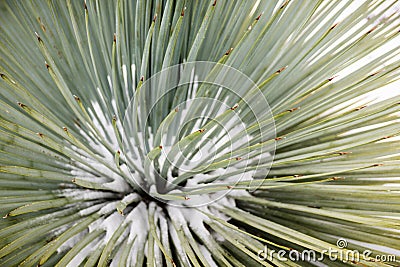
{"x": 71, "y": 242}
{"x": 125, "y": 76}
{"x": 84, "y": 253}
{"x": 207, "y": 256}
{"x": 118, "y": 185}
{"x": 109, "y": 207}
{"x": 90, "y": 210}
{"x": 130, "y": 198}
{"x": 139, "y": 229}
{"x": 106, "y": 176}
{"x": 177, "y": 245}
{"x": 140, "y": 224}
{"x": 111, "y": 223}
{"x": 84, "y": 194}
{"x": 194, "y": 218}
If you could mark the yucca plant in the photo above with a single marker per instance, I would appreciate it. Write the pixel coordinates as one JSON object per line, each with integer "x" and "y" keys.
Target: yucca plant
{"x": 198, "y": 133}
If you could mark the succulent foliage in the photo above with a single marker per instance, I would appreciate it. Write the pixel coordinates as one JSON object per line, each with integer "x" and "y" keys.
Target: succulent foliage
{"x": 83, "y": 171}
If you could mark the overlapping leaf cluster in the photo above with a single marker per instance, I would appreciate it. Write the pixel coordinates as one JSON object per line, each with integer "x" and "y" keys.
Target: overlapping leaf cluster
{"x": 70, "y": 68}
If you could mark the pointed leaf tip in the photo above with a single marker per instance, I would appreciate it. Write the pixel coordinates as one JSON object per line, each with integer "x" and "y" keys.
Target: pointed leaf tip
{"x": 377, "y": 165}
{"x": 293, "y": 109}
{"x": 375, "y": 73}
{"x": 234, "y": 107}
{"x": 38, "y": 37}
{"x": 333, "y": 77}
{"x": 372, "y": 29}
{"x": 284, "y": 4}
{"x": 360, "y": 108}
{"x": 229, "y": 51}
{"x": 21, "y": 105}
{"x": 281, "y": 69}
